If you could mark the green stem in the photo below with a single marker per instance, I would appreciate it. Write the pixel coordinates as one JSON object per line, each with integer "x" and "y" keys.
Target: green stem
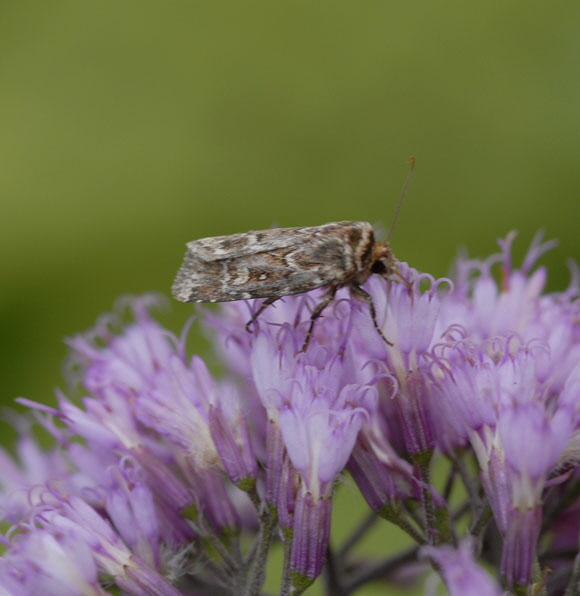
{"x": 573, "y": 588}
{"x": 268, "y": 519}
{"x": 286, "y": 581}
{"x": 392, "y": 514}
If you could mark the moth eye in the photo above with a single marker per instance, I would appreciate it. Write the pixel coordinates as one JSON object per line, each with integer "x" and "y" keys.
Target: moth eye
{"x": 378, "y": 267}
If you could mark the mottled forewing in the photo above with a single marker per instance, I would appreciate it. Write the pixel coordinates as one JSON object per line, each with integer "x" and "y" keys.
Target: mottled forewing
{"x": 264, "y": 264}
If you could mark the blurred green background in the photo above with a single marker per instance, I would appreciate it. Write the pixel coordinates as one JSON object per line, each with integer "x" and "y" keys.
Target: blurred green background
{"x": 129, "y": 128}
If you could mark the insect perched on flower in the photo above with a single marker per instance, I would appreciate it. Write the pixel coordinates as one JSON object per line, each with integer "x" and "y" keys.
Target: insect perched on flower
{"x": 279, "y": 262}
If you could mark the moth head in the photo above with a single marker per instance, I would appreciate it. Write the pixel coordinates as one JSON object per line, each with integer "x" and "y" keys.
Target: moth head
{"x": 383, "y": 261}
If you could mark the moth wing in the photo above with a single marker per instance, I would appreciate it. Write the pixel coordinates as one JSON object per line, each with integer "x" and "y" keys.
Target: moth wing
{"x": 248, "y": 243}
{"x": 279, "y": 262}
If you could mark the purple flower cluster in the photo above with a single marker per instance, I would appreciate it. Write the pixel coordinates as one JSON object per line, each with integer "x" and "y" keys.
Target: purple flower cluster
{"x": 168, "y": 479}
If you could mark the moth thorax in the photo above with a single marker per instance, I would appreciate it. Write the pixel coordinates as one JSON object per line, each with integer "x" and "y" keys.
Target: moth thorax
{"x": 362, "y": 241}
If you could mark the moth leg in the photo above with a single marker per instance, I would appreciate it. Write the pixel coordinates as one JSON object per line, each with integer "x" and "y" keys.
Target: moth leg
{"x": 326, "y": 300}
{"x": 262, "y": 308}
{"x": 358, "y": 291}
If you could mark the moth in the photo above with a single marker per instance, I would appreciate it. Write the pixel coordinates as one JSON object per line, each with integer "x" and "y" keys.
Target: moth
{"x": 279, "y": 262}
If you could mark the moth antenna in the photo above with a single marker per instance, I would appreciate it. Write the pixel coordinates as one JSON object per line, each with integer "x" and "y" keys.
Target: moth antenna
{"x": 411, "y": 162}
